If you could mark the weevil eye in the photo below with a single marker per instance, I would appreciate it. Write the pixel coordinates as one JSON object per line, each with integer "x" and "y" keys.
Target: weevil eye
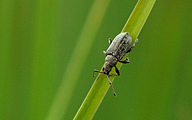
{"x": 103, "y": 69}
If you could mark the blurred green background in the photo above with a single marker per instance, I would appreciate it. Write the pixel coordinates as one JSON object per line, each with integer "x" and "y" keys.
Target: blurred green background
{"x": 37, "y": 39}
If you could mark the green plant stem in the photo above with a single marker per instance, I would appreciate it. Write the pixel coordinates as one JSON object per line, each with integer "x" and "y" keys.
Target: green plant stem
{"x": 100, "y": 87}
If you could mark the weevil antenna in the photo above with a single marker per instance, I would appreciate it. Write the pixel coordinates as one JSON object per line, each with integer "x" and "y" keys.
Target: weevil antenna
{"x": 111, "y": 86}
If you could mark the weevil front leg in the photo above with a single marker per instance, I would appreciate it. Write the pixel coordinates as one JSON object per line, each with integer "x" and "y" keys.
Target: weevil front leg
{"x": 132, "y": 46}
{"x": 111, "y": 86}
{"x": 97, "y": 72}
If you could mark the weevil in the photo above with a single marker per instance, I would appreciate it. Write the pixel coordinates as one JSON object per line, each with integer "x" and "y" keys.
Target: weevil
{"x": 115, "y": 52}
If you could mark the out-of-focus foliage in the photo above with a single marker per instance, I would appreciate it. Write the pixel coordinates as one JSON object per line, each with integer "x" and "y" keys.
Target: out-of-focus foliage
{"x": 37, "y": 39}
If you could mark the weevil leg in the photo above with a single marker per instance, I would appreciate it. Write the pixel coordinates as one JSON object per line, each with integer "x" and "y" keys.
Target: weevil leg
{"x": 97, "y": 72}
{"x": 117, "y": 71}
{"x": 113, "y": 75}
{"x": 111, "y": 86}
{"x": 125, "y": 61}
{"x": 105, "y": 53}
{"x": 110, "y": 41}
{"x": 132, "y": 46}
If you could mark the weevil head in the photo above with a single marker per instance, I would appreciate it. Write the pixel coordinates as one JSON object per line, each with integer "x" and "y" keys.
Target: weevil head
{"x": 110, "y": 62}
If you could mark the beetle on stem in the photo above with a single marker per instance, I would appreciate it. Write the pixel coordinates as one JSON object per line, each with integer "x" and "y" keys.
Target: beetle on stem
{"x": 116, "y": 51}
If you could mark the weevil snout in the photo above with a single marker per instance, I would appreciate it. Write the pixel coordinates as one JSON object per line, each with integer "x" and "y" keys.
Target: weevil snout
{"x": 110, "y": 62}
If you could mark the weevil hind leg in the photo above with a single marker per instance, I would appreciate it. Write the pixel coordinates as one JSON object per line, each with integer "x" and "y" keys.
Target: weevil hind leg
{"x": 136, "y": 40}
{"x": 132, "y": 46}
{"x": 110, "y": 41}
{"x": 135, "y": 43}
{"x": 111, "y": 86}
{"x": 125, "y": 61}
{"x": 97, "y": 72}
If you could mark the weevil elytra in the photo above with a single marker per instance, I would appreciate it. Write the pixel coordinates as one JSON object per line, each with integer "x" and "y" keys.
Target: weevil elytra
{"x": 116, "y": 51}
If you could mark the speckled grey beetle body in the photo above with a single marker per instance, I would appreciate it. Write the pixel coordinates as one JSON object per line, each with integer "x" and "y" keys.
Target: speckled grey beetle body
{"x": 116, "y": 51}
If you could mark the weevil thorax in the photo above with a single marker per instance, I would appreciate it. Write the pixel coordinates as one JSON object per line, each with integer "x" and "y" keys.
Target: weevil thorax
{"x": 110, "y": 62}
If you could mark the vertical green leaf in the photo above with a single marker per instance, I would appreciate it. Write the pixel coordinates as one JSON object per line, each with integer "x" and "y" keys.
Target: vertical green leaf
{"x": 99, "y": 89}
